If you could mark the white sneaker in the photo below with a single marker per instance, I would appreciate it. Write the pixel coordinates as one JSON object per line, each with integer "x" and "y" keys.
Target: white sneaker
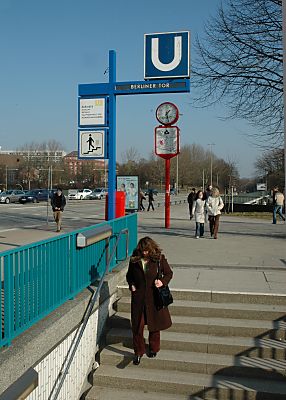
{"x": 197, "y": 237}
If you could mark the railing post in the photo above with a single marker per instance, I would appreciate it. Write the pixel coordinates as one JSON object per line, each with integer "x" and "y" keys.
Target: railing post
{"x": 8, "y": 299}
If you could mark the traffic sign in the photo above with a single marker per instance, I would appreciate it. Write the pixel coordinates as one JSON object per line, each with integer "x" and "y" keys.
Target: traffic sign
{"x": 91, "y": 143}
{"x": 167, "y": 55}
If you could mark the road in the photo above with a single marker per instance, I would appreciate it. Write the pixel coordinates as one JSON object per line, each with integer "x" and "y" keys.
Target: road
{"x": 23, "y": 224}
{"x": 77, "y": 214}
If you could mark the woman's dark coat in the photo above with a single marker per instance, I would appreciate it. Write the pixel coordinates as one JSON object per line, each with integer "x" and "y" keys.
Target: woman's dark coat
{"x": 156, "y": 320}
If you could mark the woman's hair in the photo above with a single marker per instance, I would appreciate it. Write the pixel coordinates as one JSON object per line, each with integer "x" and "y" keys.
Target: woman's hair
{"x": 198, "y": 192}
{"x": 215, "y": 192}
{"x": 147, "y": 244}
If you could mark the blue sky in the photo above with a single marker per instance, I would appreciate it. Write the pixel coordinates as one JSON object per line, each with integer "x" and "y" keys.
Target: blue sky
{"x": 48, "y": 47}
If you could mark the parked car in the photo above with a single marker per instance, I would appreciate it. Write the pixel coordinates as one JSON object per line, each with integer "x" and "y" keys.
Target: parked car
{"x": 11, "y": 196}
{"x": 97, "y": 194}
{"x": 72, "y": 194}
{"x": 79, "y": 194}
{"x": 35, "y": 196}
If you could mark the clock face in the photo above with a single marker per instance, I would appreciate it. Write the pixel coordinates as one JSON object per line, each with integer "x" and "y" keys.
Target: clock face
{"x": 167, "y": 113}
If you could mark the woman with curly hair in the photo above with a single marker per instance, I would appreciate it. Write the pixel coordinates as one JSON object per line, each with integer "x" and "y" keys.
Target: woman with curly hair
{"x": 142, "y": 278}
{"x": 214, "y": 205}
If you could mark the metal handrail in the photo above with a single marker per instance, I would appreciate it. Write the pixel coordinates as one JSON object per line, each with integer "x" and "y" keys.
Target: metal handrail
{"x": 77, "y": 338}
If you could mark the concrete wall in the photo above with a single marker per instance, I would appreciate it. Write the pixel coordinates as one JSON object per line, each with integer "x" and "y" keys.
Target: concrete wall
{"x": 45, "y": 345}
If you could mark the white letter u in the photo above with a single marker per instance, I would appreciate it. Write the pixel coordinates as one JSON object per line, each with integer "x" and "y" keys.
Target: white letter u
{"x": 177, "y": 54}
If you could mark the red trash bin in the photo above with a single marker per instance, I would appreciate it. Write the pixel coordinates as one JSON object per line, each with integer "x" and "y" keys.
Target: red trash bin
{"x": 119, "y": 205}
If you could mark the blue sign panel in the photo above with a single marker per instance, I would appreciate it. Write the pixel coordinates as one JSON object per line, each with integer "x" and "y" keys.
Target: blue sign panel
{"x": 167, "y": 55}
{"x": 136, "y": 87}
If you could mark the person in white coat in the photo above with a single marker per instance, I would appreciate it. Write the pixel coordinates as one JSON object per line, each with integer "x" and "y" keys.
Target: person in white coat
{"x": 198, "y": 211}
{"x": 214, "y": 205}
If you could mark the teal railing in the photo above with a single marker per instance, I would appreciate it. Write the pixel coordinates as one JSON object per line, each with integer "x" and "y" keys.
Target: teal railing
{"x": 37, "y": 278}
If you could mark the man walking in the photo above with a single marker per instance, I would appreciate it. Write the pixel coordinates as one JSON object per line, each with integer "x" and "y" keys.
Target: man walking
{"x": 278, "y": 202}
{"x": 58, "y": 202}
{"x": 150, "y": 200}
{"x": 191, "y": 199}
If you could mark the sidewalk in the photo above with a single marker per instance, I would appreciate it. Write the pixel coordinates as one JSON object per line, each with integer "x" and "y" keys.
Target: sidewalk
{"x": 249, "y": 255}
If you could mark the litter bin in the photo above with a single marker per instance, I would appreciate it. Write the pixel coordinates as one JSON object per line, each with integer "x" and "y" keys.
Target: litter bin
{"x": 119, "y": 205}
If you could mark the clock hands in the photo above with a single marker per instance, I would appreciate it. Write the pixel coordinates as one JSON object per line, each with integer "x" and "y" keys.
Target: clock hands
{"x": 166, "y": 115}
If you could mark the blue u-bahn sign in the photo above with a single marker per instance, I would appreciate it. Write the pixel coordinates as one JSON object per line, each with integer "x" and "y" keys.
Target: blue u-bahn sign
{"x": 167, "y": 55}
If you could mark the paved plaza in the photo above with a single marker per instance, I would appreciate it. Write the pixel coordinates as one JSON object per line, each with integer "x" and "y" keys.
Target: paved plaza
{"x": 249, "y": 255}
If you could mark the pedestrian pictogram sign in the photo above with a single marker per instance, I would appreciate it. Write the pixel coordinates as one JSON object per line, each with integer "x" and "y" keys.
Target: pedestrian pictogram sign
{"x": 92, "y": 143}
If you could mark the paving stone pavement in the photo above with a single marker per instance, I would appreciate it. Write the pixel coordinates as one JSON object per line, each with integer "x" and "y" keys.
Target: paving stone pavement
{"x": 249, "y": 255}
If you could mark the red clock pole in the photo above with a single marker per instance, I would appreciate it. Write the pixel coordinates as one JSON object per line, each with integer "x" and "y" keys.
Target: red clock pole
{"x": 167, "y": 192}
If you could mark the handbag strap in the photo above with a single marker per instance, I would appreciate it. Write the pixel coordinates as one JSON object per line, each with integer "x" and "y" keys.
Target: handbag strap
{"x": 159, "y": 271}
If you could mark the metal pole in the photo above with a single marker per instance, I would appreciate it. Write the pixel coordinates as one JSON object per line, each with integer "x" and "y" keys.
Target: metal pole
{"x": 211, "y": 154}
{"x": 167, "y": 193}
{"x": 6, "y": 178}
{"x": 49, "y": 179}
{"x": 112, "y": 137}
{"x": 232, "y": 199}
{"x": 284, "y": 84}
{"x": 177, "y": 188}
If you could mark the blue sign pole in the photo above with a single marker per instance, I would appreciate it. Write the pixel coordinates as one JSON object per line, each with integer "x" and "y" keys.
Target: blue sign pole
{"x": 112, "y": 137}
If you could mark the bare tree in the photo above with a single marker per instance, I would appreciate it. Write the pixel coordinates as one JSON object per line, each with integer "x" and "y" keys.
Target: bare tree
{"x": 271, "y": 166}
{"x": 130, "y": 154}
{"x": 240, "y": 63}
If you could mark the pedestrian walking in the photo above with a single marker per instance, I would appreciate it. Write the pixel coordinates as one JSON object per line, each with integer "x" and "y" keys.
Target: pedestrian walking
{"x": 58, "y": 202}
{"x": 278, "y": 203}
{"x": 214, "y": 205}
{"x": 150, "y": 200}
{"x": 191, "y": 198}
{"x": 198, "y": 210}
{"x": 141, "y": 198}
{"x": 142, "y": 278}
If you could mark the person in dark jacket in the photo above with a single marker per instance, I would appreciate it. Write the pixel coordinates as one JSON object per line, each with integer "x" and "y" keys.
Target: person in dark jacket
{"x": 58, "y": 202}
{"x": 150, "y": 200}
{"x": 142, "y": 280}
{"x": 191, "y": 199}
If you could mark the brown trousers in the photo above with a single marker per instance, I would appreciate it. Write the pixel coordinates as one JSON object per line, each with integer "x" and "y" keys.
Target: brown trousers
{"x": 214, "y": 224}
{"x": 139, "y": 342}
{"x": 58, "y": 218}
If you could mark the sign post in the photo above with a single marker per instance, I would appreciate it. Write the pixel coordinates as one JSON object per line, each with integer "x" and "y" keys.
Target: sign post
{"x": 167, "y": 146}
{"x": 162, "y": 75}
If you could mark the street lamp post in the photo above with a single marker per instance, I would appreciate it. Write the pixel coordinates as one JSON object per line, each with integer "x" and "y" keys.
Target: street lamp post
{"x": 211, "y": 155}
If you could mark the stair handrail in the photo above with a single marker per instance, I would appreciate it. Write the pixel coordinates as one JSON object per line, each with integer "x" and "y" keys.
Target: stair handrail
{"x": 77, "y": 338}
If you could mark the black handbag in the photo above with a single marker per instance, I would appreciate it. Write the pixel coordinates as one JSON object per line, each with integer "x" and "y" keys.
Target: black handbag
{"x": 163, "y": 295}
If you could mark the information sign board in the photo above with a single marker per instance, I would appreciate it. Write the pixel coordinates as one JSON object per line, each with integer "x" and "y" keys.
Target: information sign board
{"x": 92, "y": 111}
{"x": 167, "y": 141}
{"x": 129, "y": 185}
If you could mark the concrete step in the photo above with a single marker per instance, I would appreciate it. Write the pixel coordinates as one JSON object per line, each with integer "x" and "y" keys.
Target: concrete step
{"x": 202, "y": 363}
{"x": 210, "y": 309}
{"x": 219, "y": 296}
{"x": 185, "y": 383}
{"x": 100, "y": 393}
{"x": 204, "y": 343}
{"x": 214, "y": 326}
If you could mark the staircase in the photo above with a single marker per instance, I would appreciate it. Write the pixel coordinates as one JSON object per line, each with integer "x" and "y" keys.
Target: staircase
{"x": 221, "y": 346}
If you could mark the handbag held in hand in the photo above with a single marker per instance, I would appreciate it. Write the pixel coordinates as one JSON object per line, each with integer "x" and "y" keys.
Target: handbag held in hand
{"x": 163, "y": 297}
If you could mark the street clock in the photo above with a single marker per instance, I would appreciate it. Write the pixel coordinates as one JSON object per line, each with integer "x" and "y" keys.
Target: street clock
{"x": 167, "y": 113}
